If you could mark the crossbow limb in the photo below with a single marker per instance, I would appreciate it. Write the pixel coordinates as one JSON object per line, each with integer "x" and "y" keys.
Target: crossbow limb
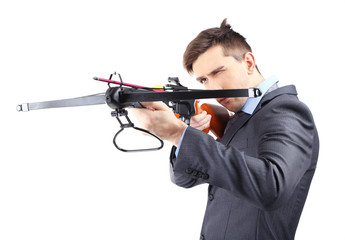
{"x": 179, "y": 98}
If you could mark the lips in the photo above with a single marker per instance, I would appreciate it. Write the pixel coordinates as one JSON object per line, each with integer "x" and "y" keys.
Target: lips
{"x": 222, "y": 100}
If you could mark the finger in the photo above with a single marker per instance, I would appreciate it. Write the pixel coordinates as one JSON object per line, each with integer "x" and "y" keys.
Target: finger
{"x": 203, "y": 125}
{"x": 201, "y": 121}
{"x": 199, "y": 117}
{"x": 155, "y": 105}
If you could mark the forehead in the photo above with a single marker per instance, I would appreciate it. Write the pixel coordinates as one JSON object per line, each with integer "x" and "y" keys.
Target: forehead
{"x": 211, "y": 59}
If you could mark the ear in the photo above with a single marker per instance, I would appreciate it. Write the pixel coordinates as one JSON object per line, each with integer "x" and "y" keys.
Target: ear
{"x": 249, "y": 61}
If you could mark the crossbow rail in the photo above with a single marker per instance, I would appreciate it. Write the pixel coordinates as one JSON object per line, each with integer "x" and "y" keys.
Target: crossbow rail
{"x": 130, "y": 95}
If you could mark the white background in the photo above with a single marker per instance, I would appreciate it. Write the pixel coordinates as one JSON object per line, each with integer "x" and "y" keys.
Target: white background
{"x": 61, "y": 177}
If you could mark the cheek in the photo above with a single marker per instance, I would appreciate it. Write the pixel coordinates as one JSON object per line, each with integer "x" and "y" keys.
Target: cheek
{"x": 227, "y": 82}
{"x": 233, "y": 81}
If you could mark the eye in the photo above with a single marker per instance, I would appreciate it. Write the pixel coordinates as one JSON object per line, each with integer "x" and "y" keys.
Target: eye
{"x": 217, "y": 72}
{"x": 203, "y": 80}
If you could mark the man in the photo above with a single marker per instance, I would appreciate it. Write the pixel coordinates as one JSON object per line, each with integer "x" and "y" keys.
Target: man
{"x": 259, "y": 173}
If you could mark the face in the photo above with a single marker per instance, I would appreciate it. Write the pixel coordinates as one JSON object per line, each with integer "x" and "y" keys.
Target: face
{"x": 216, "y": 71}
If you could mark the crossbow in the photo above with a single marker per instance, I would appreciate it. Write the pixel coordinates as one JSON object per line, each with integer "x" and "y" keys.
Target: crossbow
{"x": 126, "y": 95}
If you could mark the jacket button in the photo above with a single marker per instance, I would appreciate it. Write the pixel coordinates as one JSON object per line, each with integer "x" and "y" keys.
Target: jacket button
{"x": 205, "y": 176}
{"x": 202, "y": 237}
{"x": 189, "y": 170}
{"x": 210, "y": 197}
{"x": 200, "y": 175}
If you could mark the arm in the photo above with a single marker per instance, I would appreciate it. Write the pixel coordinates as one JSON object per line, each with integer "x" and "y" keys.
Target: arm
{"x": 266, "y": 174}
{"x": 157, "y": 118}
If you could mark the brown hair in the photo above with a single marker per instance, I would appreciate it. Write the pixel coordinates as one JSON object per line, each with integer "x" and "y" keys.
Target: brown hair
{"x": 233, "y": 43}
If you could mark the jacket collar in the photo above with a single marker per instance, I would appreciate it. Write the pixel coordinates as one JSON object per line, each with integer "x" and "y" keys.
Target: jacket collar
{"x": 290, "y": 90}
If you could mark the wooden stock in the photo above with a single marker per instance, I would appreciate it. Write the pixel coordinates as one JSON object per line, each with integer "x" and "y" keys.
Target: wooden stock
{"x": 219, "y": 120}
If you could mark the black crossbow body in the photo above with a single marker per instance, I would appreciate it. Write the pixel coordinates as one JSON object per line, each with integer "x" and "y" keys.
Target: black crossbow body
{"x": 125, "y": 95}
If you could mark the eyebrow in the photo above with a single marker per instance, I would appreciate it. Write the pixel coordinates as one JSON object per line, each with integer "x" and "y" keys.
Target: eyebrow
{"x": 211, "y": 73}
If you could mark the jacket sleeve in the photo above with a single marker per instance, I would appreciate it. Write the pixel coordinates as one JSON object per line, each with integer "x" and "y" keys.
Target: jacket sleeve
{"x": 284, "y": 139}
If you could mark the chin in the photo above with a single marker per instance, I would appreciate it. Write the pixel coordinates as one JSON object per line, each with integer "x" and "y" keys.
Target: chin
{"x": 232, "y": 108}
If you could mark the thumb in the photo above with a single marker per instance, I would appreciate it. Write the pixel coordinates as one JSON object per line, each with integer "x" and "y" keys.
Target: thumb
{"x": 154, "y": 106}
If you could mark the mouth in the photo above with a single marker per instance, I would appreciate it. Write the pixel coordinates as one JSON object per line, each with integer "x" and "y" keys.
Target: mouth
{"x": 223, "y": 100}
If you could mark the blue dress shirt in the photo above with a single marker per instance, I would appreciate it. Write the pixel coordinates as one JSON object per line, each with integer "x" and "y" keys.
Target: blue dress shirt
{"x": 251, "y": 103}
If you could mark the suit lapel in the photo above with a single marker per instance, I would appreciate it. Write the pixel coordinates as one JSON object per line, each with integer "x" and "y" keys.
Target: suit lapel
{"x": 234, "y": 125}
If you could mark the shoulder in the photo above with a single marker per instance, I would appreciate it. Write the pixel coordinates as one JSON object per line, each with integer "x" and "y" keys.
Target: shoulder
{"x": 283, "y": 98}
{"x": 281, "y": 109}
{"x": 289, "y": 92}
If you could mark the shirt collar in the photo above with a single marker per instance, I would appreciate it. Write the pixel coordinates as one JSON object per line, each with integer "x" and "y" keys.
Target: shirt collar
{"x": 251, "y": 103}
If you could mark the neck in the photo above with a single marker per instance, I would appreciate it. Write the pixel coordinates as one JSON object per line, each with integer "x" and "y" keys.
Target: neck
{"x": 256, "y": 79}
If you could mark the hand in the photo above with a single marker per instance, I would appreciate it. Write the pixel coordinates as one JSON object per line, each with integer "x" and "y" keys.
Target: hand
{"x": 201, "y": 121}
{"x": 158, "y": 118}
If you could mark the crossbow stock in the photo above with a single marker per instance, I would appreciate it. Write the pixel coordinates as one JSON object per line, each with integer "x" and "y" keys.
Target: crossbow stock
{"x": 125, "y": 95}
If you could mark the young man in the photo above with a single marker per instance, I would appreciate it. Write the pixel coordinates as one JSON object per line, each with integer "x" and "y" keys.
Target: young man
{"x": 259, "y": 173}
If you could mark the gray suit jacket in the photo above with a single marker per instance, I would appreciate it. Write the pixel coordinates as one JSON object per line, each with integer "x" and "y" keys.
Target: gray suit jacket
{"x": 258, "y": 174}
